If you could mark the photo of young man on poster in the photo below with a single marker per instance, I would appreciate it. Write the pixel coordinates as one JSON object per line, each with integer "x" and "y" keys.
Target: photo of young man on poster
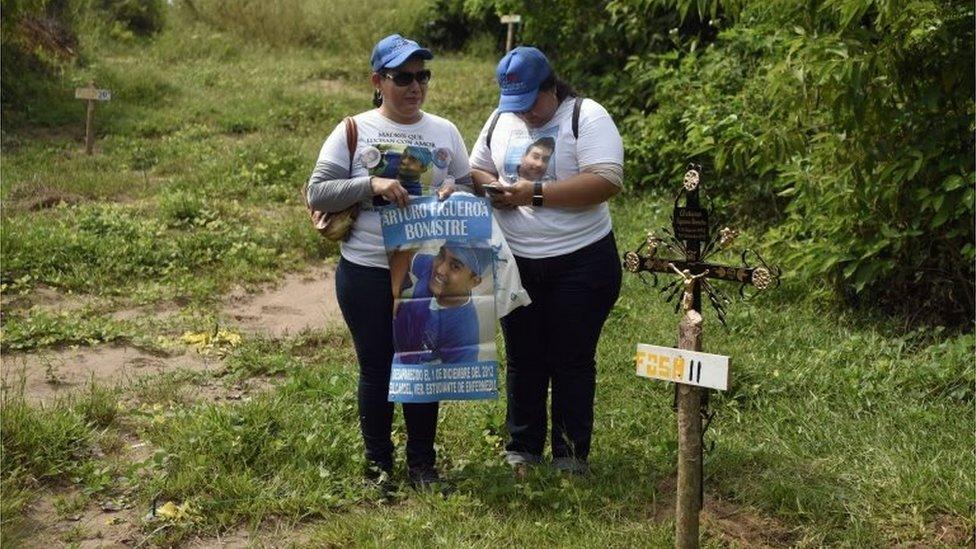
{"x": 452, "y": 275}
{"x": 436, "y": 318}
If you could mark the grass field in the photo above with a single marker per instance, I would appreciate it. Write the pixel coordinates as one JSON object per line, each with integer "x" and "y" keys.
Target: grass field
{"x": 838, "y": 429}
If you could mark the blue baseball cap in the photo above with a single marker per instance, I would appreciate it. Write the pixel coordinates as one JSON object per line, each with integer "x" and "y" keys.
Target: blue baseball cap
{"x": 519, "y": 74}
{"x": 474, "y": 257}
{"x": 394, "y": 50}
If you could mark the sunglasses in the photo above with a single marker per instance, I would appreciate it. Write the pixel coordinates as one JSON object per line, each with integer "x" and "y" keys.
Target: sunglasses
{"x": 403, "y": 78}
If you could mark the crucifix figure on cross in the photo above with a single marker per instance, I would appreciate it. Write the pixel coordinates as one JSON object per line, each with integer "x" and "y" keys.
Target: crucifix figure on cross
{"x": 690, "y": 236}
{"x": 692, "y": 243}
{"x": 689, "y": 285}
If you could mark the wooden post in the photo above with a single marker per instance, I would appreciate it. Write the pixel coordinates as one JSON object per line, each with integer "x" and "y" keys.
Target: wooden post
{"x": 89, "y": 127}
{"x": 91, "y": 94}
{"x": 511, "y": 21}
{"x": 689, "y": 502}
{"x": 690, "y": 233}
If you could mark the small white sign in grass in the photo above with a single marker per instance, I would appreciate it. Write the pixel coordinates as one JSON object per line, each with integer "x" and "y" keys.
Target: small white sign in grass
{"x": 511, "y": 20}
{"x": 683, "y": 366}
{"x": 91, "y": 94}
{"x": 94, "y": 94}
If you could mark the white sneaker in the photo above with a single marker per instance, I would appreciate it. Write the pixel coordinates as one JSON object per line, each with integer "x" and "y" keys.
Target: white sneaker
{"x": 516, "y": 459}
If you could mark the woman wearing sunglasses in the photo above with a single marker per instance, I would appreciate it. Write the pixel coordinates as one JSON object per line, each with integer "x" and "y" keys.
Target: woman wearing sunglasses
{"x": 388, "y": 146}
{"x": 558, "y": 226}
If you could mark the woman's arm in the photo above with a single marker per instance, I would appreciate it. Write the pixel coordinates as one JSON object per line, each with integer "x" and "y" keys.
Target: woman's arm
{"x": 331, "y": 190}
{"x": 480, "y": 178}
{"x": 584, "y": 189}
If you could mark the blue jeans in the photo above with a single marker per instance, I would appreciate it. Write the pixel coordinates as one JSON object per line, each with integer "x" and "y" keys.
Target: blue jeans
{"x": 554, "y": 340}
{"x": 366, "y": 301}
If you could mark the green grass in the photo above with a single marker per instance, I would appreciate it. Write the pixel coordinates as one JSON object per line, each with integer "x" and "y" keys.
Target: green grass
{"x": 55, "y": 445}
{"x": 855, "y": 455}
{"x": 837, "y": 426}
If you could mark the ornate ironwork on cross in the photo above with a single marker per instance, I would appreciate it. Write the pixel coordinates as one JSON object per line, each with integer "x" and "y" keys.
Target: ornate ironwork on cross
{"x": 691, "y": 237}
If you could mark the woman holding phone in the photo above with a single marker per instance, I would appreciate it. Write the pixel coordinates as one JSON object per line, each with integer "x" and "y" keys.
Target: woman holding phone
{"x": 550, "y": 161}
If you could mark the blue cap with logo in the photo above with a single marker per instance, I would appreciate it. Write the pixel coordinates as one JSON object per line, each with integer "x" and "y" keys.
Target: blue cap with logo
{"x": 519, "y": 74}
{"x": 394, "y": 50}
{"x": 474, "y": 256}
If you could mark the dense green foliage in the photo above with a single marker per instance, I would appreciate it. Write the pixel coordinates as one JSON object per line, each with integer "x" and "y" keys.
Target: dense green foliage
{"x": 138, "y": 17}
{"x": 37, "y": 38}
{"x": 846, "y": 126}
{"x": 453, "y": 24}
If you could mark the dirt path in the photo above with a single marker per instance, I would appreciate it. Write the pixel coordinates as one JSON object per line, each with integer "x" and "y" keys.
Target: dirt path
{"x": 298, "y": 302}
{"x": 48, "y": 375}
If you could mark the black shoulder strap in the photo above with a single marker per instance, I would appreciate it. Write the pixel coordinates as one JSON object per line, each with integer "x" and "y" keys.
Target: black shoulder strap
{"x": 577, "y": 105}
{"x": 491, "y": 129}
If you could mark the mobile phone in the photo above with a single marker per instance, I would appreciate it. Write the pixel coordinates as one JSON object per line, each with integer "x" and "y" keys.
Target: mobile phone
{"x": 493, "y": 190}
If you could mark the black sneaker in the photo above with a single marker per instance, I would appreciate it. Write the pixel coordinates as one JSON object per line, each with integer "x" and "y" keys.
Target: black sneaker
{"x": 570, "y": 465}
{"x": 427, "y": 478}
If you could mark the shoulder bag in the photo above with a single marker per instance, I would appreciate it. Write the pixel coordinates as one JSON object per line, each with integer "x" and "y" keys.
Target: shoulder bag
{"x": 336, "y": 226}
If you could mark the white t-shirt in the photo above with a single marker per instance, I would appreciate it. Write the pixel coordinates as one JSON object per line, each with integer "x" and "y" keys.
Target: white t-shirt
{"x": 550, "y": 231}
{"x": 437, "y": 150}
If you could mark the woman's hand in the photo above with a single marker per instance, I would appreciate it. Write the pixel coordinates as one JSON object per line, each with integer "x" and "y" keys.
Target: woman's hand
{"x": 390, "y": 189}
{"x": 445, "y": 190}
{"x": 579, "y": 191}
{"x": 513, "y": 196}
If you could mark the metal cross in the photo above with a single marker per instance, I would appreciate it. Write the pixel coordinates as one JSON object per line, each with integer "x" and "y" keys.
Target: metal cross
{"x": 686, "y": 250}
{"x": 691, "y": 237}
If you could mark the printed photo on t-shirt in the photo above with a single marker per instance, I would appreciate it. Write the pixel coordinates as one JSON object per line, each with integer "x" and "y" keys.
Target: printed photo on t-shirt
{"x": 530, "y": 155}
{"x": 421, "y": 170}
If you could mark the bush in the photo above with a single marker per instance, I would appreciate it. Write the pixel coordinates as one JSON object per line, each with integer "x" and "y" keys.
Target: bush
{"x": 140, "y": 17}
{"x": 454, "y": 24}
{"x": 882, "y": 196}
{"x": 38, "y": 40}
{"x": 845, "y": 127}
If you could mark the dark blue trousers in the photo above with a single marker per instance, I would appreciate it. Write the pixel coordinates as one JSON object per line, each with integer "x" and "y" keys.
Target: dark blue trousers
{"x": 553, "y": 341}
{"x": 366, "y": 300}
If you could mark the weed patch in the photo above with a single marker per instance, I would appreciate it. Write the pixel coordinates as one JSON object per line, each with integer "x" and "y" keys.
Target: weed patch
{"x": 42, "y": 444}
{"x": 37, "y": 329}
